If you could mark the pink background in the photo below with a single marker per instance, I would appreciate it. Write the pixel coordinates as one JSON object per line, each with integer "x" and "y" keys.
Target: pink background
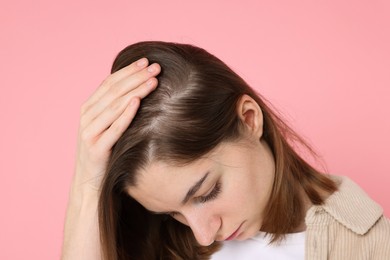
{"x": 324, "y": 64}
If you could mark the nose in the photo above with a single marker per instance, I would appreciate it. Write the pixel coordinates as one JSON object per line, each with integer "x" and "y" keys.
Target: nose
{"x": 203, "y": 224}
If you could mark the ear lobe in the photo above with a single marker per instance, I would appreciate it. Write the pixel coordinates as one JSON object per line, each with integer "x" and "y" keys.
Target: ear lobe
{"x": 251, "y": 115}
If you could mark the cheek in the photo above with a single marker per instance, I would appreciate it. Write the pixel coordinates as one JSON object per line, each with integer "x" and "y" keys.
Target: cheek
{"x": 245, "y": 195}
{"x": 239, "y": 189}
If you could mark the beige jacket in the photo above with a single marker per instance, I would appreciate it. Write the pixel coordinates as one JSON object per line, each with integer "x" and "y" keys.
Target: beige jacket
{"x": 348, "y": 226}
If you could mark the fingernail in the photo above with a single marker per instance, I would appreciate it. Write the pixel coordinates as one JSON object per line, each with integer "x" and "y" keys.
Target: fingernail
{"x": 151, "y": 68}
{"x": 141, "y": 62}
{"x": 150, "y": 82}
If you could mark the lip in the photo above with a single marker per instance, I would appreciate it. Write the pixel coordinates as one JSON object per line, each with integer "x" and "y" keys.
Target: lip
{"x": 235, "y": 234}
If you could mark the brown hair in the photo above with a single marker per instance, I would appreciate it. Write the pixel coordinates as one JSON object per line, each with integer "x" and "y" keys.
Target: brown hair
{"x": 192, "y": 111}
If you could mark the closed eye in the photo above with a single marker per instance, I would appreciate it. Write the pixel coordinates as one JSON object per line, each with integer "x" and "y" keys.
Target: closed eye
{"x": 212, "y": 195}
{"x": 202, "y": 199}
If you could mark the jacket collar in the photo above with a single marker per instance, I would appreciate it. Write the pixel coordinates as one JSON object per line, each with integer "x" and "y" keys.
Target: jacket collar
{"x": 350, "y": 206}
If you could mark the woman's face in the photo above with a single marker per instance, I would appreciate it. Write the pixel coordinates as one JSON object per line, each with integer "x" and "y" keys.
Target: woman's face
{"x": 220, "y": 196}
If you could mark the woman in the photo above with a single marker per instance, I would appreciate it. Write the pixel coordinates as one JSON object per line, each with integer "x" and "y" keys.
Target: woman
{"x": 202, "y": 168}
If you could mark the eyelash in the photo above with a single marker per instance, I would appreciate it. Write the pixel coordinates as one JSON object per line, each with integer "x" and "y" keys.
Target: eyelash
{"x": 212, "y": 195}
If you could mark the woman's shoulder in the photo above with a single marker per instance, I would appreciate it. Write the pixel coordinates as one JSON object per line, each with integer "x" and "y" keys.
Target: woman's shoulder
{"x": 350, "y": 205}
{"x": 350, "y": 217}
{"x": 377, "y": 239}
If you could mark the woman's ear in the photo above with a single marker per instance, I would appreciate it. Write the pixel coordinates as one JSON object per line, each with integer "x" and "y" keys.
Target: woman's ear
{"x": 251, "y": 115}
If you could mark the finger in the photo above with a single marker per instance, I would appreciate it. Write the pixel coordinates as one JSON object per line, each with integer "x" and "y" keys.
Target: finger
{"x": 117, "y": 107}
{"x": 145, "y": 89}
{"x": 129, "y": 70}
{"x": 106, "y": 118}
{"x": 115, "y": 131}
{"x": 114, "y": 78}
{"x": 131, "y": 84}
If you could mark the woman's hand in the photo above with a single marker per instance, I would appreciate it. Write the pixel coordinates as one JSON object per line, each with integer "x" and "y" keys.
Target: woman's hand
{"x": 104, "y": 118}
{"x": 107, "y": 114}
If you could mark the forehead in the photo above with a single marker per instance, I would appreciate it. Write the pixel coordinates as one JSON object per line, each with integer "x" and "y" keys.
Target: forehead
{"x": 161, "y": 186}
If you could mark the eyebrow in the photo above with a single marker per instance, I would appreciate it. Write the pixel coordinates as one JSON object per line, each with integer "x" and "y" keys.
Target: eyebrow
{"x": 191, "y": 192}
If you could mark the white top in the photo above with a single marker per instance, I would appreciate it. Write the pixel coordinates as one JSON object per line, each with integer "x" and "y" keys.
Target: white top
{"x": 258, "y": 247}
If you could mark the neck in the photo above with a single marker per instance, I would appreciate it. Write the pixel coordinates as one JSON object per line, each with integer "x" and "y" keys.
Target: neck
{"x": 307, "y": 204}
